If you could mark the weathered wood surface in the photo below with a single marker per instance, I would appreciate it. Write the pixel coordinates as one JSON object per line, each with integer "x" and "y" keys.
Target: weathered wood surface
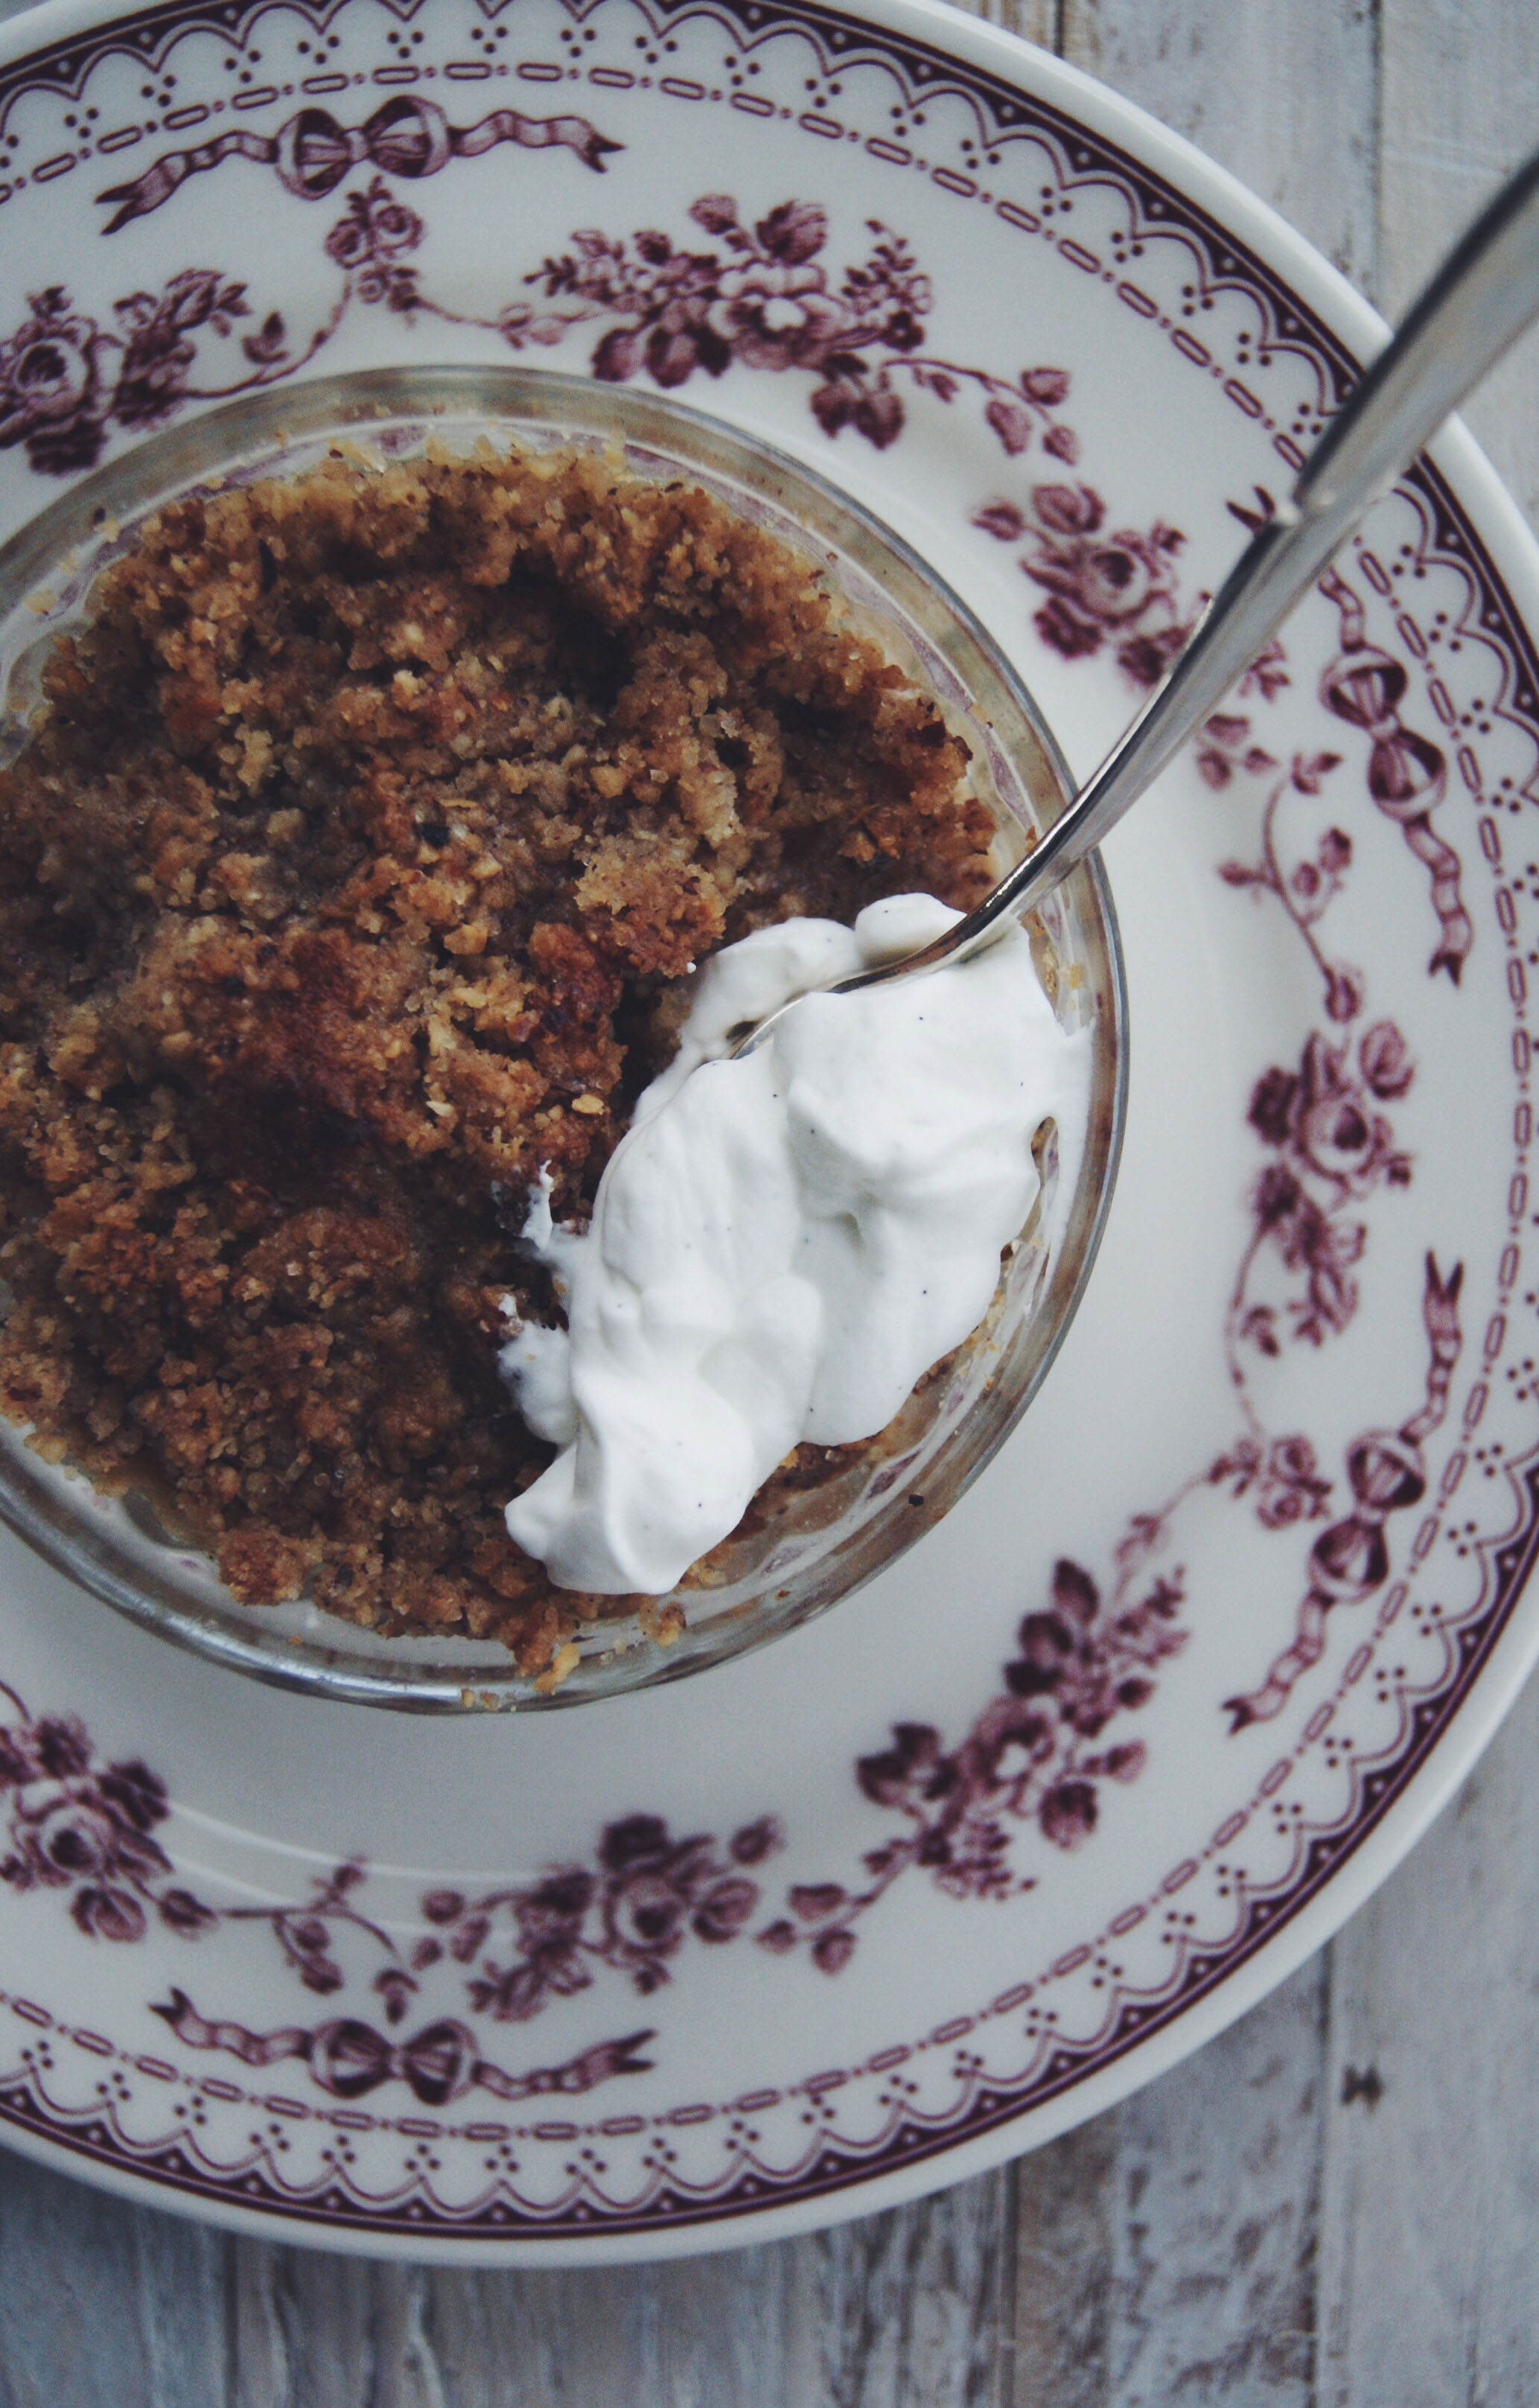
{"x": 1335, "y": 2205}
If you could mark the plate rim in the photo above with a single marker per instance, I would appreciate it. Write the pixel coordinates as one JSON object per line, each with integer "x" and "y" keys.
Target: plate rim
{"x": 1514, "y": 551}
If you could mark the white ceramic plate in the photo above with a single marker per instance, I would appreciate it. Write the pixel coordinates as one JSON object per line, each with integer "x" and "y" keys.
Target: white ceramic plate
{"x": 1191, "y": 1666}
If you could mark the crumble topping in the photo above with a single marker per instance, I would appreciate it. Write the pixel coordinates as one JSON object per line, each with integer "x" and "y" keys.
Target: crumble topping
{"x": 352, "y": 874}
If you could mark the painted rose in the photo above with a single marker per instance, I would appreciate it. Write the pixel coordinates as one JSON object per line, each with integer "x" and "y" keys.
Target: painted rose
{"x": 760, "y": 299}
{"x": 1101, "y": 586}
{"x": 632, "y": 1910}
{"x": 1109, "y": 578}
{"x": 776, "y": 310}
{"x": 53, "y": 394}
{"x": 1291, "y": 1486}
{"x": 77, "y": 1826}
{"x": 670, "y": 294}
{"x": 1080, "y": 1661}
{"x": 72, "y": 1837}
{"x": 1013, "y": 1732}
{"x": 549, "y": 1920}
{"x": 656, "y": 1889}
{"x": 77, "y": 1829}
{"x": 1322, "y": 1247}
{"x": 1323, "y": 1113}
{"x": 52, "y": 1748}
{"x": 647, "y": 1897}
{"x": 374, "y": 226}
{"x": 778, "y": 317}
{"x": 370, "y": 242}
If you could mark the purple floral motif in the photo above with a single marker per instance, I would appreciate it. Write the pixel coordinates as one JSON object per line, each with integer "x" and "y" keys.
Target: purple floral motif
{"x": 760, "y": 295}
{"x": 1307, "y": 890}
{"x": 632, "y": 1911}
{"x": 1120, "y": 589}
{"x": 157, "y": 357}
{"x": 306, "y": 1934}
{"x": 64, "y": 381}
{"x": 1283, "y": 1475}
{"x": 1408, "y": 773}
{"x": 763, "y": 299}
{"x": 1387, "y": 1473}
{"x": 1331, "y": 1147}
{"x": 1224, "y": 746}
{"x": 52, "y": 395}
{"x": 1032, "y": 1758}
{"x": 85, "y": 1829}
{"x": 369, "y": 238}
{"x": 1116, "y": 587}
{"x": 77, "y": 1826}
{"x": 346, "y": 2058}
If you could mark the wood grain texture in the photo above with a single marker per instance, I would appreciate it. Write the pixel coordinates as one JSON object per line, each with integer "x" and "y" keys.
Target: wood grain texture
{"x": 1284, "y": 96}
{"x": 1035, "y": 21}
{"x": 1216, "y": 2214}
{"x": 1336, "y": 2204}
{"x": 1431, "y": 2172}
{"x": 1461, "y": 109}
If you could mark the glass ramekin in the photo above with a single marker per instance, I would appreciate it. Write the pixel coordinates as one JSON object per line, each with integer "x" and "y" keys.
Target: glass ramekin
{"x": 828, "y": 1539}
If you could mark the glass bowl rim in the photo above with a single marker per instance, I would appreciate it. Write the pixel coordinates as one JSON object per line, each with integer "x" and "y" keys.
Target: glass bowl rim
{"x": 347, "y": 405}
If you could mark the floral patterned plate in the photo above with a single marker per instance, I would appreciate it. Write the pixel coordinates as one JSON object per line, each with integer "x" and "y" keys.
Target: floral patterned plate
{"x": 1151, "y": 1711}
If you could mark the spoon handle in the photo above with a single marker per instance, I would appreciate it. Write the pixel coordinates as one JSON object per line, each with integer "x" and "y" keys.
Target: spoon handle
{"x": 1481, "y": 298}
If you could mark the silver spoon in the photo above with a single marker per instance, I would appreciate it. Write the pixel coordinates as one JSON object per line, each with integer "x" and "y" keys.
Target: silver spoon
{"x": 1480, "y": 300}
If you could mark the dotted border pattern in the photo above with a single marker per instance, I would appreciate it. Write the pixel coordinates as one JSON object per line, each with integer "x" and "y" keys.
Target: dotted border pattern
{"x": 1221, "y": 262}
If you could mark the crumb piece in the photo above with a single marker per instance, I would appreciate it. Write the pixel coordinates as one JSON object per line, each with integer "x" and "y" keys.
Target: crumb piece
{"x": 661, "y": 1623}
{"x": 563, "y": 1664}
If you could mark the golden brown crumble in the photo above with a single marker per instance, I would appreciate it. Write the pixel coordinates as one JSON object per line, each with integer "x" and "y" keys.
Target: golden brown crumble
{"x": 351, "y": 873}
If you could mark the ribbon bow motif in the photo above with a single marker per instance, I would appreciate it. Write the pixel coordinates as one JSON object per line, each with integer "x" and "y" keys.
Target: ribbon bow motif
{"x": 1387, "y": 1473}
{"x": 348, "y": 2058}
{"x": 1408, "y": 773}
{"x": 1365, "y": 690}
{"x": 312, "y": 151}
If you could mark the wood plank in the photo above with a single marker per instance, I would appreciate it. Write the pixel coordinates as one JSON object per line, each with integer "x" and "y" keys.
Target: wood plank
{"x": 103, "y": 2305}
{"x": 742, "y": 2328}
{"x": 1035, "y": 21}
{"x": 1218, "y": 2171}
{"x": 913, "y": 2303}
{"x": 1286, "y": 98}
{"x": 180, "y": 2274}
{"x": 1058, "y": 2348}
{"x": 1431, "y": 2188}
{"x": 892, "y": 2312}
{"x": 1460, "y": 109}
{"x": 1431, "y": 2185}
{"x": 1166, "y": 2252}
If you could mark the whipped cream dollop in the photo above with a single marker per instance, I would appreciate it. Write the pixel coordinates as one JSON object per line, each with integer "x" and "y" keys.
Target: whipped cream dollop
{"x": 780, "y": 1245}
